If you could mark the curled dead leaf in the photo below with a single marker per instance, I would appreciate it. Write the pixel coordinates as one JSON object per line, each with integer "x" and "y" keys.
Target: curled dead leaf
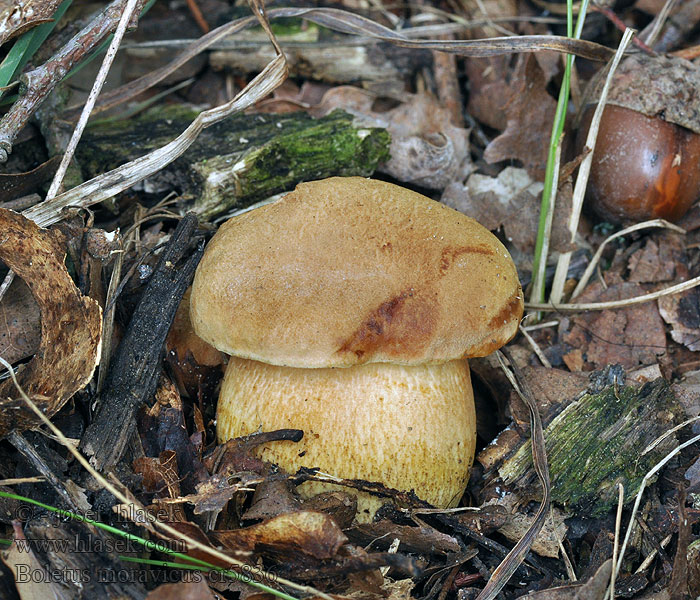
{"x": 311, "y": 533}
{"x": 18, "y": 17}
{"x": 529, "y": 110}
{"x": 681, "y": 312}
{"x": 71, "y": 324}
{"x": 426, "y": 148}
{"x": 20, "y": 325}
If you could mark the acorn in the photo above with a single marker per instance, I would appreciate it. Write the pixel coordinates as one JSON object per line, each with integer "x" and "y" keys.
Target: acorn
{"x": 646, "y": 162}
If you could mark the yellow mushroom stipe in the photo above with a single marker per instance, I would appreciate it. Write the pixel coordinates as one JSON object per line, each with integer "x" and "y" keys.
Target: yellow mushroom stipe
{"x": 361, "y": 300}
{"x": 409, "y": 427}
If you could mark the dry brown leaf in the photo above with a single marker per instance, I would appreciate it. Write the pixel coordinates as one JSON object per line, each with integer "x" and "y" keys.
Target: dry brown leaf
{"x": 193, "y": 531}
{"x": 14, "y": 185}
{"x": 71, "y": 324}
{"x": 486, "y": 519}
{"x": 491, "y": 200}
{"x": 426, "y": 148}
{"x": 16, "y": 17}
{"x": 213, "y": 495}
{"x": 517, "y": 523}
{"x": 661, "y": 259}
{"x": 340, "y": 506}
{"x": 530, "y": 111}
{"x": 630, "y": 337}
{"x": 161, "y": 476}
{"x": 271, "y": 499}
{"x": 554, "y": 389}
{"x": 511, "y": 200}
{"x": 388, "y": 589}
{"x": 20, "y": 324}
{"x": 682, "y": 313}
{"x": 166, "y": 418}
{"x": 420, "y": 540}
{"x": 310, "y": 533}
{"x": 488, "y": 86}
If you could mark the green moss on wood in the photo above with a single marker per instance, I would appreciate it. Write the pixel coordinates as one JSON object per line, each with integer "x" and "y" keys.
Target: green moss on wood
{"x": 242, "y": 159}
{"x": 598, "y": 441}
{"x": 330, "y": 146}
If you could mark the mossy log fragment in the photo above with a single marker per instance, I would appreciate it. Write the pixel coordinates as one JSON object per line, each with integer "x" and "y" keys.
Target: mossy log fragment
{"x": 598, "y": 441}
{"x": 240, "y": 160}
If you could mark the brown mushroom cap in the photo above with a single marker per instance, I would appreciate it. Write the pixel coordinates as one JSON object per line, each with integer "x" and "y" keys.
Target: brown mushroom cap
{"x": 347, "y": 271}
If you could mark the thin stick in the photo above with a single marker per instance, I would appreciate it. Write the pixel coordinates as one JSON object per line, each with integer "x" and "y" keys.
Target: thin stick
{"x": 582, "y": 179}
{"x": 646, "y": 563}
{"x": 596, "y": 257}
{"x": 198, "y": 16}
{"x": 92, "y": 98}
{"x": 37, "y": 461}
{"x": 620, "y": 24}
{"x": 535, "y": 347}
{"x": 567, "y": 562}
{"x": 616, "y": 545}
{"x": 576, "y": 307}
{"x": 543, "y": 325}
{"x": 657, "y": 441}
{"x": 20, "y": 480}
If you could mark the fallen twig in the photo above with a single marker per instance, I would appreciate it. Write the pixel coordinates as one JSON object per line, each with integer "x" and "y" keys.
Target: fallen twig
{"x": 577, "y": 307}
{"x": 39, "y": 82}
{"x": 126, "y": 17}
{"x": 133, "y": 376}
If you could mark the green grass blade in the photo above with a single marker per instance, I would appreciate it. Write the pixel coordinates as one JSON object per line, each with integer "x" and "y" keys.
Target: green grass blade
{"x": 14, "y": 58}
{"x": 541, "y": 243}
{"x": 195, "y": 563}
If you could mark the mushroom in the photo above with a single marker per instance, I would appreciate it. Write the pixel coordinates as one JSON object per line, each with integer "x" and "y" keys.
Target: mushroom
{"x": 349, "y": 308}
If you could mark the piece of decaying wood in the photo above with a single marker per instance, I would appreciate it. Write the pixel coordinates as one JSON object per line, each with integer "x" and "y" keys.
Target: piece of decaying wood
{"x": 596, "y": 442}
{"x": 240, "y": 160}
{"x": 135, "y": 368}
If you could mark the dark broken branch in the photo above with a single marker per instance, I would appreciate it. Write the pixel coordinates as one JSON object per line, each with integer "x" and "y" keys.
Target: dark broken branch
{"x": 134, "y": 370}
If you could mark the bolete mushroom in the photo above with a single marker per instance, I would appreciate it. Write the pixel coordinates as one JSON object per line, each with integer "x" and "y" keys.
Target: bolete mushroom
{"x": 349, "y": 308}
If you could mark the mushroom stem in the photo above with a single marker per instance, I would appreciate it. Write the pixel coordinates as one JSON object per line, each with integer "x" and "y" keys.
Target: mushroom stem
{"x": 409, "y": 427}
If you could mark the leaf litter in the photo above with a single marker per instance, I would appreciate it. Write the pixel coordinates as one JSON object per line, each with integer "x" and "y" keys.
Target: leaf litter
{"x": 224, "y": 496}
